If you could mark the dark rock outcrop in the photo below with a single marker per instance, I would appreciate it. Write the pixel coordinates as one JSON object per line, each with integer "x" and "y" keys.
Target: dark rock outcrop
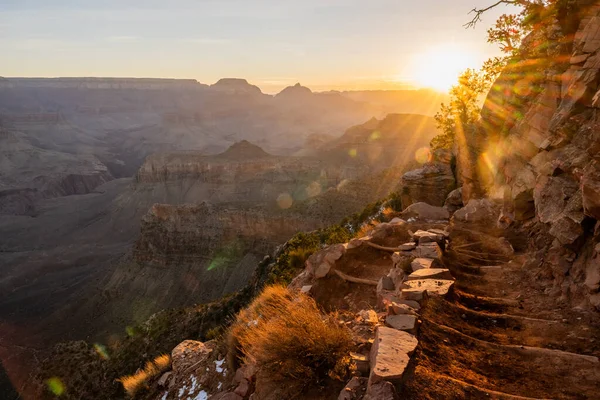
{"x": 430, "y": 183}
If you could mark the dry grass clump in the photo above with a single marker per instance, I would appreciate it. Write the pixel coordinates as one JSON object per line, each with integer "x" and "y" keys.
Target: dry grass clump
{"x": 285, "y": 335}
{"x": 132, "y": 383}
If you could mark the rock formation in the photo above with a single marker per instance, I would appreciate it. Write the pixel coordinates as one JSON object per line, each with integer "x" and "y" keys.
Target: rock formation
{"x": 539, "y": 134}
{"x": 431, "y": 183}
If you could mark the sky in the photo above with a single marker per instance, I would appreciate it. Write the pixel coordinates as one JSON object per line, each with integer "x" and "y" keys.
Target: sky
{"x": 324, "y": 44}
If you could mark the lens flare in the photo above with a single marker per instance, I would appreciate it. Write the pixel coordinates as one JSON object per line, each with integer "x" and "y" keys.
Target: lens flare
{"x": 284, "y": 201}
{"x": 423, "y": 155}
{"x": 56, "y": 386}
{"x": 374, "y": 136}
{"x": 352, "y": 153}
{"x": 101, "y": 350}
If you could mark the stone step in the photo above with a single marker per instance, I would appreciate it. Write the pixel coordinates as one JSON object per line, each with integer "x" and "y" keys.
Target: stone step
{"x": 419, "y": 289}
{"x": 421, "y": 263}
{"x": 402, "y": 322}
{"x": 431, "y": 273}
{"x": 390, "y": 355}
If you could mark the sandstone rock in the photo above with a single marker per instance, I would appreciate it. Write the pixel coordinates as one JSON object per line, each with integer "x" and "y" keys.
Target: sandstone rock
{"x": 480, "y": 211}
{"x": 306, "y": 289}
{"x": 430, "y": 273}
{"x": 590, "y": 188}
{"x": 402, "y": 322}
{"x": 420, "y": 289}
{"x": 430, "y": 183}
{"x": 189, "y": 353}
{"x": 322, "y": 270}
{"x": 429, "y": 250}
{"x": 386, "y": 298}
{"x": 397, "y": 220}
{"x": 420, "y": 263}
{"x": 334, "y": 253}
{"x": 407, "y": 246}
{"x": 426, "y": 212}
{"x": 402, "y": 309}
{"x": 454, "y": 201}
{"x": 423, "y": 237}
{"x": 369, "y": 316}
{"x": 390, "y": 355}
{"x": 354, "y": 389}
{"x": 381, "y": 391}
{"x": 354, "y": 243}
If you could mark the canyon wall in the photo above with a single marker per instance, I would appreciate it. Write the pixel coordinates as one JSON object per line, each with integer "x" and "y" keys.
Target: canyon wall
{"x": 538, "y": 149}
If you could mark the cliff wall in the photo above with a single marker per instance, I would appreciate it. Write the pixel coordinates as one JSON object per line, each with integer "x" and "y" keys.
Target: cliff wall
{"x": 538, "y": 149}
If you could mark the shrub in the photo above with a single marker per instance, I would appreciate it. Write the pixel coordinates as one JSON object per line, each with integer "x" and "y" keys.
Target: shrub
{"x": 285, "y": 335}
{"x": 133, "y": 383}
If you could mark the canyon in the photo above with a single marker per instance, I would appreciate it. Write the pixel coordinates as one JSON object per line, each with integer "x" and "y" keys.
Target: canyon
{"x": 120, "y": 198}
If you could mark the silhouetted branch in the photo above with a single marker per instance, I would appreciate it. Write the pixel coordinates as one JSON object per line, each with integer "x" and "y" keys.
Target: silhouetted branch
{"x": 479, "y": 11}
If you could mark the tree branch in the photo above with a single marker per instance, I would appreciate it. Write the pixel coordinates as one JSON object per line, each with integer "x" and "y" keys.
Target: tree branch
{"x": 479, "y": 11}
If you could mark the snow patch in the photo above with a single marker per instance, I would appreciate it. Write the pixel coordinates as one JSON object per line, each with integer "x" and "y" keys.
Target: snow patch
{"x": 219, "y": 365}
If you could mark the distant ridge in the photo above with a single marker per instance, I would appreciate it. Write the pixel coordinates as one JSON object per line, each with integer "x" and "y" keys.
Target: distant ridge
{"x": 244, "y": 150}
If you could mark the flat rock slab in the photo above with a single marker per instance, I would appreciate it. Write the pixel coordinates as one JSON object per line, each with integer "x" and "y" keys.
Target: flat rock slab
{"x": 402, "y": 322}
{"x": 423, "y": 237}
{"x": 421, "y": 263}
{"x": 407, "y": 246}
{"x": 430, "y": 273}
{"x": 390, "y": 354}
{"x": 420, "y": 289}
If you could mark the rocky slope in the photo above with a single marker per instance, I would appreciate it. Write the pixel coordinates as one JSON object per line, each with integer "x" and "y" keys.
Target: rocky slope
{"x": 540, "y": 135}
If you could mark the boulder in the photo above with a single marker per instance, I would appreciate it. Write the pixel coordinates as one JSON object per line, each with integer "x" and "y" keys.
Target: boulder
{"x": 430, "y": 273}
{"x": 590, "y": 189}
{"x": 426, "y": 212}
{"x": 402, "y": 322}
{"x": 430, "y": 183}
{"x": 386, "y": 283}
{"x": 189, "y": 353}
{"x": 479, "y": 211}
{"x": 390, "y": 355}
{"x": 454, "y": 201}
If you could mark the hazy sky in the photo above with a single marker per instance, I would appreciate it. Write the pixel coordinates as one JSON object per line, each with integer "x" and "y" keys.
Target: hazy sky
{"x": 273, "y": 43}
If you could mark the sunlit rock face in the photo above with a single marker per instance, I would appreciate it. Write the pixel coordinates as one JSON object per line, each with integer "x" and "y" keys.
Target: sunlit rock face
{"x": 431, "y": 183}
{"x": 539, "y": 146}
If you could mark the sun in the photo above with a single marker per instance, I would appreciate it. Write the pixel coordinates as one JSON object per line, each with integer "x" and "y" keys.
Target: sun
{"x": 439, "y": 67}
